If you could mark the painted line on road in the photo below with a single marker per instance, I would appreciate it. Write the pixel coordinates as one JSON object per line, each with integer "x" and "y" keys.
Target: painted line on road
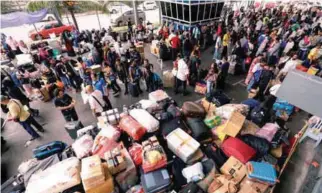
{"x": 234, "y": 84}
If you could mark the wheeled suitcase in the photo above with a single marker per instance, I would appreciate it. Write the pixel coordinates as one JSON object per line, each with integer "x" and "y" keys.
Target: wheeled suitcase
{"x": 134, "y": 129}
{"x": 156, "y": 181}
{"x": 261, "y": 171}
{"x": 193, "y": 110}
{"x": 237, "y": 148}
{"x": 133, "y": 89}
{"x": 200, "y": 130}
{"x": 46, "y": 150}
{"x": 14, "y": 184}
{"x": 145, "y": 119}
{"x": 72, "y": 128}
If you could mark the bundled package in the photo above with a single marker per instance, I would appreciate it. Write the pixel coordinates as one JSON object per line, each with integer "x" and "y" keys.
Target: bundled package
{"x": 111, "y": 116}
{"x": 153, "y": 155}
{"x": 115, "y": 161}
{"x": 134, "y": 129}
{"x": 57, "y": 178}
{"x": 182, "y": 144}
{"x": 145, "y": 119}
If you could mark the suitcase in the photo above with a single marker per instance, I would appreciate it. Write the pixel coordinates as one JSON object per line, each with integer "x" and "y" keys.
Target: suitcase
{"x": 72, "y": 128}
{"x": 168, "y": 79}
{"x": 46, "y": 150}
{"x": 145, "y": 119}
{"x": 14, "y": 184}
{"x": 261, "y": 171}
{"x": 200, "y": 130}
{"x": 134, "y": 129}
{"x": 237, "y": 148}
{"x": 193, "y": 110}
{"x": 134, "y": 89}
{"x": 156, "y": 181}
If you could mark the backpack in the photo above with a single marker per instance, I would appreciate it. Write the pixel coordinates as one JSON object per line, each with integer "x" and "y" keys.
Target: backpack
{"x": 259, "y": 115}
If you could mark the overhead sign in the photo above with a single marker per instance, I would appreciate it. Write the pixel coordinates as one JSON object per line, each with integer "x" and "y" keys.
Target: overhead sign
{"x": 302, "y": 90}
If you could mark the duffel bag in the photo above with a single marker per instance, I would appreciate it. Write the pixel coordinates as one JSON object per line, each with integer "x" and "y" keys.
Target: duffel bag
{"x": 174, "y": 111}
{"x": 134, "y": 129}
{"x": 145, "y": 119}
{"x": 200, "y": 130}
{"x": 259, "y": 115}
{"x": 216, "y": 154}
{"x": 237, "y": 148}
{"x": 193, "y": 110}
{"x": 261, "y": 145}
{"x": 46, "y": 150}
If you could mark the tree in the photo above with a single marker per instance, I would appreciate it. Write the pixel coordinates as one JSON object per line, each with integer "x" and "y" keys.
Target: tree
{"x": 6, "y": 7}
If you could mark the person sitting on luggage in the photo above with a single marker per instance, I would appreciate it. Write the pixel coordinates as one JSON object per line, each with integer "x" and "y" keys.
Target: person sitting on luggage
{"x": 135, "y": 74}
{"x": 100, "y": 84}
{"x": 66, "y": 104}
{"x": 96, "y": 101}
{"x": 211, "y": 78}
{"x": 182, "y": 75}
{"x": 17, "y": 113}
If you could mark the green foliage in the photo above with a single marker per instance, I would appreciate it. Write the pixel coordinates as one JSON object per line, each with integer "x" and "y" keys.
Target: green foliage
{"x": 7, "y": 7}
{"x": 37, "y": 5}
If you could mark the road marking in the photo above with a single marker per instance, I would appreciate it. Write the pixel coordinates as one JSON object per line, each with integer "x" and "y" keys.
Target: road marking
{"x": 234, "y": 84}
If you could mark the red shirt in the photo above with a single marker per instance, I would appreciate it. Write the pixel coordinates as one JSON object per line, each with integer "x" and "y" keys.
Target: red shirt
{"x": 175, "y": 42}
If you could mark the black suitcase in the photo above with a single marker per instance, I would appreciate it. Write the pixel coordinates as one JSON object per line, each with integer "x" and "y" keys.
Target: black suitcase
{"x": 14, "y": 184}
{"x": 133, "y": 89}
{"x": 200, "y": 131}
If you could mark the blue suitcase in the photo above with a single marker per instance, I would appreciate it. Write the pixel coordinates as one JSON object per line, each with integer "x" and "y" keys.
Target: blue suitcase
{"x": 44, "y": 151}
{"x": 262, "y": 172}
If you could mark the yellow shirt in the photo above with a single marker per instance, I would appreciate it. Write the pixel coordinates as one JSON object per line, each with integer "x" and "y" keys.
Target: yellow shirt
{"x": 313, "y": 55}
{"x": 225, "y": 41}
{"x": 16, "y": 110}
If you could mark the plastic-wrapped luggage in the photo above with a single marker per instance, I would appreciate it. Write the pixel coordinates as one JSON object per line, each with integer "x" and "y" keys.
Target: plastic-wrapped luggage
{"x": 237, "y": 148}
{"x": 158, "y": 95}
{"x": 226, "y": 110}
{"x": 145, "y": 119}
{"x": 134, "y": 129}
{"x": 182, "y": 144}
{"x": 156, "y": 181}
{"x": 46, "y": 150}
{"x": 102, "y": 144}
{"x": 83, "y": 146}
{"x": 268, "y": 131}
{"x": 193, "y": 110}
{"x": 145, "y": 104}
{"x": 91, "y": 130}
{"x": 57, "y": 178}
{"x": 193, "y": 173}
{"x": 200, "y": 130}
{"x": 136, "y": 153}
{"x": 153, "y": 155}
{"x": 262, "y": 172}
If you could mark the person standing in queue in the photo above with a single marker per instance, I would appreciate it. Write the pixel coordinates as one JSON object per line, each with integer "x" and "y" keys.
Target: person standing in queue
{"x": 223, "y": 73}
{"x": 66, "y": 104}
{"x": 175, "y": 45}
{"x": 121, "y": 71}
{"x": 182, "y": 75}
{"x": 135, "y": 75}
{"x": 100, "y": 84}
{"x": 96, "y": 101}
{"x": 17, "y": 113}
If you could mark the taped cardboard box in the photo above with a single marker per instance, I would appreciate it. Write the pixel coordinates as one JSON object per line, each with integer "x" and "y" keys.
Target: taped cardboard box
{"x": 92, "y": 172}
{"x": 115, "y": 161}
{"x": 234, "y": 124}
{"x": 107, "y": 186}
{"x": 234, "y": 168}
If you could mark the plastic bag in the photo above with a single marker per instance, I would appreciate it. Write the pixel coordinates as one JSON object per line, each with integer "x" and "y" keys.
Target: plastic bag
{"x": 136, "y": 153}
{"x": 83, "y": 146}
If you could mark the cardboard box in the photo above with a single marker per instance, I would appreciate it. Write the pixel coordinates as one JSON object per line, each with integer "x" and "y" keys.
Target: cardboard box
{"x": 92, "y": 172}
{"x": 107, "y": 186}
{"x": 234, "y": 124}
{"x": 209, "y": 107}
{"x": 182, "y": 144}
{"x": 115, "y": 161}
{"x": 234, "y": 168}
{"x": 247, "y": 186}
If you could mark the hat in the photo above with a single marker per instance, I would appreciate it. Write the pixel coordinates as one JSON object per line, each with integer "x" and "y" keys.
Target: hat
{"x": 3, "y": 98}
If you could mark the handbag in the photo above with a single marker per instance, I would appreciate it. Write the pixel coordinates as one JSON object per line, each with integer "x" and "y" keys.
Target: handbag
{"x": 201, "y": 88}
{"x": 105, "y": 107}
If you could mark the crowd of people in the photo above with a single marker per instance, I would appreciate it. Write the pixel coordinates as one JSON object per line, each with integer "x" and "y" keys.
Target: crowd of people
{"x": 264, "y": 44}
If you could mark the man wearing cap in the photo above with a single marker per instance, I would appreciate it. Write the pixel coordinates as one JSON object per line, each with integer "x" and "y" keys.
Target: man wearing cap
{"x": 17, "y": 113}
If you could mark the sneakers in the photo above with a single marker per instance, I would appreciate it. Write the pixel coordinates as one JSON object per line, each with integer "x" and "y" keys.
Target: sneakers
{"x": 41, "y": 130}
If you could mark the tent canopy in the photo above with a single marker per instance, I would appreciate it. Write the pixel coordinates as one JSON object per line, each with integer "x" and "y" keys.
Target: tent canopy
{"x": 20, "y": 18}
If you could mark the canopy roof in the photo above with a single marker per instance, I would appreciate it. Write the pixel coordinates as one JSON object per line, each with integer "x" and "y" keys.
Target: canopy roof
{"x": 20, "y": 18}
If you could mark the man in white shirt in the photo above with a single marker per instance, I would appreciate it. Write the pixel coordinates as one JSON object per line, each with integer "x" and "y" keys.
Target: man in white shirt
{"x": 290, "y": 65}
{"x": 259, "y": 25}
{"x": 181, "y": 75}
{"x": 96, "y": 101}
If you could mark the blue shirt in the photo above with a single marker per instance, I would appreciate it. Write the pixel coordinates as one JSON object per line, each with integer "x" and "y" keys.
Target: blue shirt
{"x": 99, "y": 85}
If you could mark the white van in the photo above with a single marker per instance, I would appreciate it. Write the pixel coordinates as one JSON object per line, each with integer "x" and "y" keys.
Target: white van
{"x": 148, "y": 5}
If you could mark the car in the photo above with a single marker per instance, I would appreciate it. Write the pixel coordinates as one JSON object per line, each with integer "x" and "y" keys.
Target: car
{"x": 49, "y": 17}
{"x": 122, "y": 19}
{"x": 50, "y": 28}
{"x": 117, "y": 7}
{"x": 148, "y": 5}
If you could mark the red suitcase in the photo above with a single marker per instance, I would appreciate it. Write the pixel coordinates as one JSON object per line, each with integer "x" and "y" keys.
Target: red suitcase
{"x": 193, "y": 110}
{"x": 237, "y": 148}
{"x": 132, "y": 127}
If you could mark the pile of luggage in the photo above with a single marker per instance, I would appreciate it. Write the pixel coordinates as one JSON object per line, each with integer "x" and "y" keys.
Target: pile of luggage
{"x": 156, "y": 146}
